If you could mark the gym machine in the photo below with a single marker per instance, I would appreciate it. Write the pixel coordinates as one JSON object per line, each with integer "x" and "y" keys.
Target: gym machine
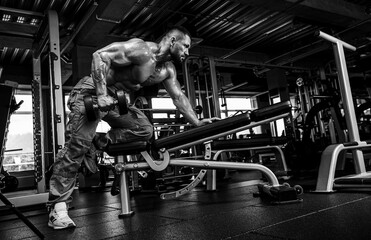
{"x": 320, "y": 121}
{"x": 7, "y": 93}
{"x": 326, "y": 181}
{"x": 204, "y": 70}
{"x": 40, "y": 194}
{"x": 364, "y": 120}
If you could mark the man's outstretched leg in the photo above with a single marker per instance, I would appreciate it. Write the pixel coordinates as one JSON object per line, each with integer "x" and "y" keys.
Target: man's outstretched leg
{"x": 79, "y": 135}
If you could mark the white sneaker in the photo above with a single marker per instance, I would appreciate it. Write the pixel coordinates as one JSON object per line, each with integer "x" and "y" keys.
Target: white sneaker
{"x": 58, "y": 217}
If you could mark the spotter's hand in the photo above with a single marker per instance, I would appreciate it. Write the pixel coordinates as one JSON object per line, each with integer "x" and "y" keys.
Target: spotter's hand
{"x": 106, "y": 103}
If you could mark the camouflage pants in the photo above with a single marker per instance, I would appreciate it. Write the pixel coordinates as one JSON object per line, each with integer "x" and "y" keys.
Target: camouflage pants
{"x": 79, "y": 134}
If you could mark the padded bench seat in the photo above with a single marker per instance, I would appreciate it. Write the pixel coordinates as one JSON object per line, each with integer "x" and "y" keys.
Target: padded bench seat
{"x": 126, "y": 148}
{"x": 207, "y": 130}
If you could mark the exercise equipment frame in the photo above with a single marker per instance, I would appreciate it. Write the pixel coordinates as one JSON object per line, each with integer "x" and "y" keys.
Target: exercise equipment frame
{"x": 263, "y": 116}
{"x": 329, "y": 158}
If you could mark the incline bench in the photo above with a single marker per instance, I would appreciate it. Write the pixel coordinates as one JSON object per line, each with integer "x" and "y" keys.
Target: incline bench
{"x": 193, "y": 137}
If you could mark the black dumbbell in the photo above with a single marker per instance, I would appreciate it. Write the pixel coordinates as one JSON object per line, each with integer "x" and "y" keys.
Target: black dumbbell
{"x": 198, "y": 109}
{"x": 91, "y": 107}
{"x": 9, "y": 183}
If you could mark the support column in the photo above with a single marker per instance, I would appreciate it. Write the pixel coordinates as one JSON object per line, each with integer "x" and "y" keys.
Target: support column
{"x": 188, "y": 83}
{"x": 214, "y": 88}
{"x": 56, "y": 94}
{"x": 347, "y": 99}
{"x": 38, "y": 126}
{"x": 278, "y": 87}
{"x": 211, "y": 175}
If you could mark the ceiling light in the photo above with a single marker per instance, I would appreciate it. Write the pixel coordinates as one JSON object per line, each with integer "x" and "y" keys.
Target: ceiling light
{"x": 6, "y": 17}
{"x": 20, "y": 19}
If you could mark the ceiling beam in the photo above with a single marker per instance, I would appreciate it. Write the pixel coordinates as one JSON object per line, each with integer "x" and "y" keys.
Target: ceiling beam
{"x": 107, "y": 15}
{"x": 80, "y": 25}
{"x": 321, "y": 45}
{"x": 16, "y": 35}
{"x": 242, "y": 56}
{"x": 18, "y": 29}
{"x": 335, "y": 12}
{"x": 21, "y": 12}
{"x": 15, "y": 42}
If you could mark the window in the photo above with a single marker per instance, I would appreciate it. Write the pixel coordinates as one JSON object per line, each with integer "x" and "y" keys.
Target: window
{"x": 18, "y": 154}
{"x": 234, "y": 106}
{"x": 165, "y": 110}
{"x": 278, "y": 126}
{"x": 162, "y": 104}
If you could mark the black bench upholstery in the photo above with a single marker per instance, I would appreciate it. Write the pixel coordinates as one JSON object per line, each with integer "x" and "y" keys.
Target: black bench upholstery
{"x": 126, "y": 148}
{"x": 223, "y": 125}
{"x": 270, "y": 111}
{"x": 203, "y": 131}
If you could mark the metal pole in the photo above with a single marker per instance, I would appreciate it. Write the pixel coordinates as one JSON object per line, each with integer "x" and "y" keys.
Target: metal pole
{"x": 58, "y": 126}
{"x": 188, "y": 84}
{"x": 39, "y": 133}
{"x": 320, "y": 115}
{"x": 214, "y": 87}
{"x": 347, "y": 99}
{"x": 346, "y": 96}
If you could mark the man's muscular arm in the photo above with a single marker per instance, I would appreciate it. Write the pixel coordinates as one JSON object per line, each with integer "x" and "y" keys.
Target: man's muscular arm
{"x": 100, "y": 65}
{"x": 180, "y": 100}
{"x": 119, "y": 54}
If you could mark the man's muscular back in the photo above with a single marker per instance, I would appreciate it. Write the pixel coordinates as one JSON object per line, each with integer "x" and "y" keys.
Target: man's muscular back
{"x": 133, "y": 65}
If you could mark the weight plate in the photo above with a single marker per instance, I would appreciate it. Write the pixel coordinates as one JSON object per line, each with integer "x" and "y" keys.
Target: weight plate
{"x": 122, "y": 102}
{"x": 198, "y": 109}
{"x": 89, "y": 108}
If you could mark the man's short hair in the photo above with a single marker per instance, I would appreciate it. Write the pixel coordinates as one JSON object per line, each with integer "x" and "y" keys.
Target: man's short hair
{"x": 180, "y": 29}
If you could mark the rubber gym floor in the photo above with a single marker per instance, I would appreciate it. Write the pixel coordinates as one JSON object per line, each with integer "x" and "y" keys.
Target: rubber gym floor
{"x": 231, "y": 212}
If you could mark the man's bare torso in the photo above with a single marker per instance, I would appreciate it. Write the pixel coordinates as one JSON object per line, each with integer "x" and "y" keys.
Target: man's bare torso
{"x": 135, "y": 76}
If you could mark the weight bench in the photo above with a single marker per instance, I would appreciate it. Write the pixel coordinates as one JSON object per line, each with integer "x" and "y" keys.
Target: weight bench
{"x": 193, "y": 137}
{"x": 236, "y": 145}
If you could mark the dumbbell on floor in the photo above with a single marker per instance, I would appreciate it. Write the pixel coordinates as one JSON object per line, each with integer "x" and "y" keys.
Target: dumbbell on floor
{"x": 91, "y": 107}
